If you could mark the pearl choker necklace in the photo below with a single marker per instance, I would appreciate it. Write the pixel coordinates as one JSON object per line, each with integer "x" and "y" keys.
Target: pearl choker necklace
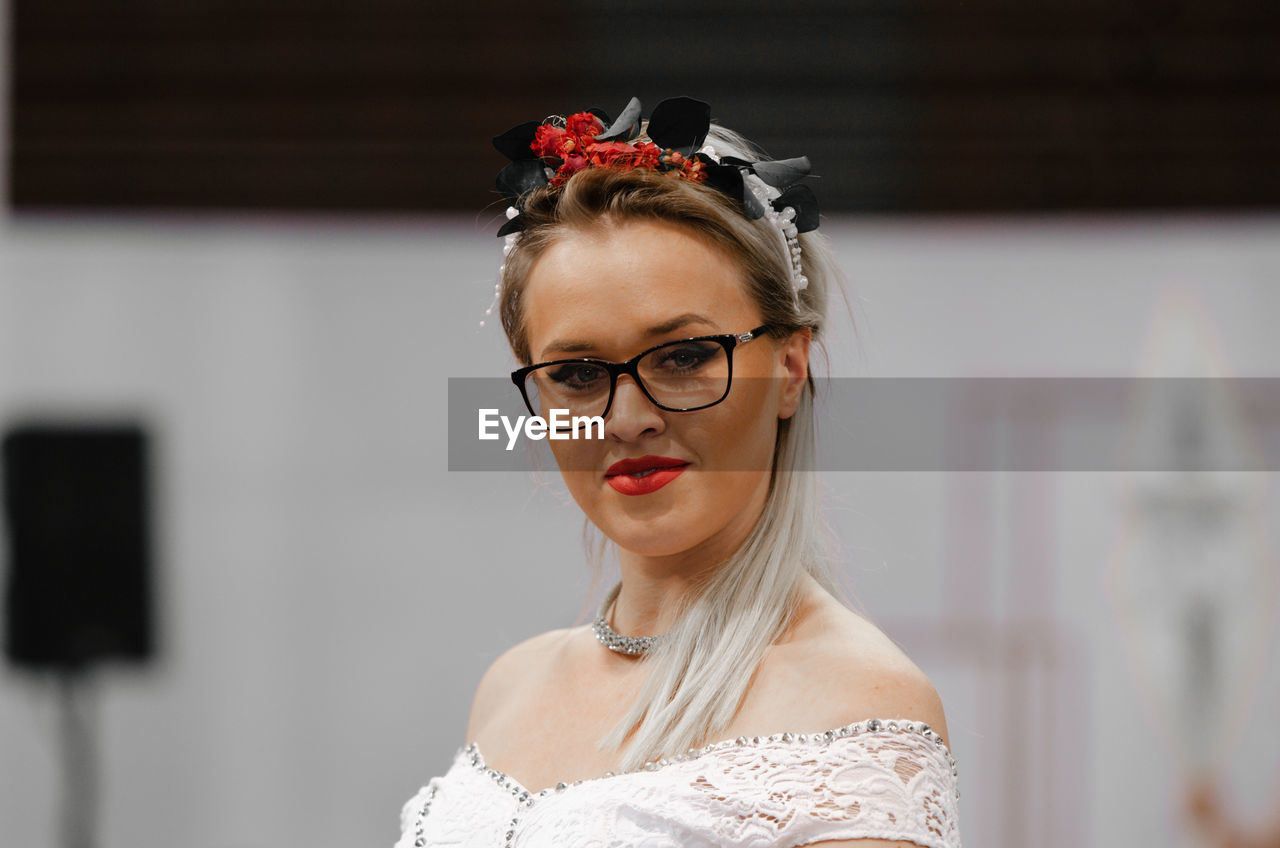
{"x": 612, "y": 639}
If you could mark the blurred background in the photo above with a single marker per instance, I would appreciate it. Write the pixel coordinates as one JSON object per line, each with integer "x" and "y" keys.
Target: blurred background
{"x": 244, "y": 245}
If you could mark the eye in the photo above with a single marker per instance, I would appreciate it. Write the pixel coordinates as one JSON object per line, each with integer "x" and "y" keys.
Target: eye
{"x": 686, "y": 357}
{"x": 579, "y": 376}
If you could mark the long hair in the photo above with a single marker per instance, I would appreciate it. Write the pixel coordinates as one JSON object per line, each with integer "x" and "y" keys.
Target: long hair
{"x": 699, "y": 671}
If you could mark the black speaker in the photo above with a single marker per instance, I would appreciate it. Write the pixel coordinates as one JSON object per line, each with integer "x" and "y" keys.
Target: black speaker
{"x": 79, "y": 564}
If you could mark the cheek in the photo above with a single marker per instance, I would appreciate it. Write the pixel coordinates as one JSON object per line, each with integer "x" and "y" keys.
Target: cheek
{"x": 744, "y": 428}
{"x": 579, "y": 462}
{"x": 580, "y": 455}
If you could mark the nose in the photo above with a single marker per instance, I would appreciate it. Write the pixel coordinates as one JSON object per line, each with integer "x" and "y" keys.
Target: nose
{"x": 632, "y": 415}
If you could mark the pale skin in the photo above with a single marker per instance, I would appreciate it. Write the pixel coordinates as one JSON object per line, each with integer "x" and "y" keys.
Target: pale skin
{"x": 542, "y": 705}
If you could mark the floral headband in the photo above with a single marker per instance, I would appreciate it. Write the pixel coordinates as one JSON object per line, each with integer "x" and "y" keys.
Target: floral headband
{"x": 550, "y": 151}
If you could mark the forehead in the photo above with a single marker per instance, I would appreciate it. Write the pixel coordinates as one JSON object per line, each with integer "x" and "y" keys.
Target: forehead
{"x": 607, "y": 288}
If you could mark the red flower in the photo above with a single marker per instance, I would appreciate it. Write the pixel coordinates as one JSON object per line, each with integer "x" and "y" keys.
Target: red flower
{"x": 695, "y": 170}
{"x": 678, "y": 165}
{"x": 553, "y": 142}
{"x": 618, "y": 154}
{"x": 584, "y": 124}
{"x": 574, "y": 137}
{"x": 572, "y": 165}
{"x": 574, "y": 148}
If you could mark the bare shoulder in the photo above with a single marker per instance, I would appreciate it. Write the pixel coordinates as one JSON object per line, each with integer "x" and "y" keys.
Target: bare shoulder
{"x": 840, "y": 668}
{"x": 513, "y": 668}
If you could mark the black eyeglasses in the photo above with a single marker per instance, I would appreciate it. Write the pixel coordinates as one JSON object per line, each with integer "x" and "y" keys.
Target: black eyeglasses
{"x": 679, "y": 376}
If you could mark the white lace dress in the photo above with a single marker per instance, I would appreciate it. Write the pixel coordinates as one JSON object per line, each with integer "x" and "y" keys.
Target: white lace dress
{"x": 877, "y": 779}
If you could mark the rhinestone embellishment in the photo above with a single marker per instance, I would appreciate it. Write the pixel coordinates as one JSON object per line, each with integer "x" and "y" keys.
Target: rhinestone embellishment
{"x": 527, "y": 798}
{"x": 419, "y": 828}
{"x": 612, "y": 639}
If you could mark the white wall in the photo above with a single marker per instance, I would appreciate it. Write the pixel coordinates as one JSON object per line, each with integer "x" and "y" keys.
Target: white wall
{"x": 331, "y": 594}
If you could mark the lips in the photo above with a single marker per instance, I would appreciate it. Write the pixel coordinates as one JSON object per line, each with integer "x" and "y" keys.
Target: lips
{"x": 644, "y": 474}
{"x": 642, "y": 464}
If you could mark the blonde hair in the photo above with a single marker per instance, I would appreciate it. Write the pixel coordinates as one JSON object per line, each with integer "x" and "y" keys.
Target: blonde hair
{"x": 699, "y": 671}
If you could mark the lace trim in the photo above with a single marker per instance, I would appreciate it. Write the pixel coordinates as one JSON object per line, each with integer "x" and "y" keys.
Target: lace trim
{"x": 928, "y": 816}
{"x": 897, "y": 725}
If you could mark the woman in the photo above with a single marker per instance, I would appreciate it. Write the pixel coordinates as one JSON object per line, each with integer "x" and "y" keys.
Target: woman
{"x": 659, "y": 277}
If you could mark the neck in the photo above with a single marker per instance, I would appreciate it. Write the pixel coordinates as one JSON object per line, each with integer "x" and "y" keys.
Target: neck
{"x": 653, "y": 586}
{"x": 647, "y": 602}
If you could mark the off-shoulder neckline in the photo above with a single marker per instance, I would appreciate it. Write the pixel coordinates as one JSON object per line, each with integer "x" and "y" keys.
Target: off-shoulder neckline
{"x": 471, "y": 753}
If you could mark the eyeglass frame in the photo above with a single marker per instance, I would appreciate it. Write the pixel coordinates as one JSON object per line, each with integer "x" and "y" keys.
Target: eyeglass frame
{"x": 729, "y": 341}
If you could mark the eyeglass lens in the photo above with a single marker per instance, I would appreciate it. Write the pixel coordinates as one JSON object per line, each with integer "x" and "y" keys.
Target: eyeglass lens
{"x": 680, "y": 375}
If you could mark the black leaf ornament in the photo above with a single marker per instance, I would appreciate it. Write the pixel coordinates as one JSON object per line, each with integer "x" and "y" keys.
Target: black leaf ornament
{"x": 781, "y": 173}
{"x": 627, "y": 125}
{"x": 681, "y": 124}
{"x": 802, "y": 199}
{"x": 517, "y": 142}
{"x": 521, "y": 177}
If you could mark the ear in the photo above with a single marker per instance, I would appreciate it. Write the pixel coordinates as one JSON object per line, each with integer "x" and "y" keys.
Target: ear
{"x": 795, "y": 365}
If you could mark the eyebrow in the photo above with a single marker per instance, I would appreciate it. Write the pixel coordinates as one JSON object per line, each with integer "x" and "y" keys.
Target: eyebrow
{"x": 575, "y": 346}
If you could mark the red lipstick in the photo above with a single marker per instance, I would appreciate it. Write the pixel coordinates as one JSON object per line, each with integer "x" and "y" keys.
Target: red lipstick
{"x": 644, "y": 474}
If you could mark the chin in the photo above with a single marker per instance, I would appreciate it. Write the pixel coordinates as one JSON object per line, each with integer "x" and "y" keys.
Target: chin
{"x": 654, "y": 543}
{"x": 671, "y": 531}
{"x": 680, "y": 517}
